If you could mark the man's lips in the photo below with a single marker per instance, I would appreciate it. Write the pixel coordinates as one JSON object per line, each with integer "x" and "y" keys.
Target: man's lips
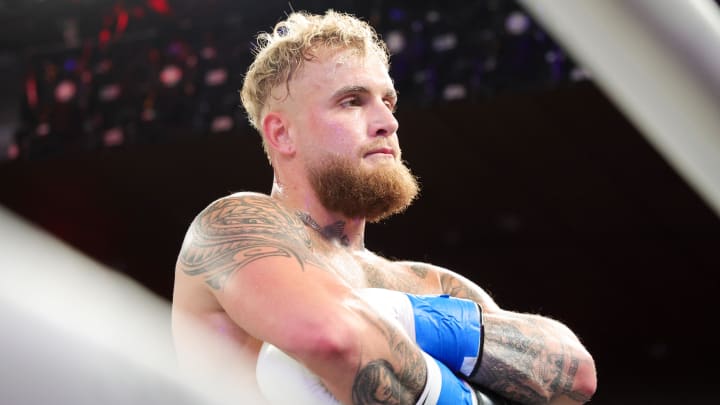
{"x": 381, "y": 151}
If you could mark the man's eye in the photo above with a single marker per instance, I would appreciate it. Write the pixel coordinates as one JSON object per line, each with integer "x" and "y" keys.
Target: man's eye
{"x": 350, "y": 101}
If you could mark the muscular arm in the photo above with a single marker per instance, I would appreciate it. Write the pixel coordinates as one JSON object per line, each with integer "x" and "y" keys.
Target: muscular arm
{"x": 528, "y": 358}
{"x": 257, "y": 260}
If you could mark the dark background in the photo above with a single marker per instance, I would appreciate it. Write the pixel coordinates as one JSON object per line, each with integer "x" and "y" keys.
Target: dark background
{"x": 541, "y": 192}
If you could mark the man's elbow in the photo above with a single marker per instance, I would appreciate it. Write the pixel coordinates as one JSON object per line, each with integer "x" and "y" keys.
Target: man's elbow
{"x": 585, "y": 383}
{"x": 332, "y": 342}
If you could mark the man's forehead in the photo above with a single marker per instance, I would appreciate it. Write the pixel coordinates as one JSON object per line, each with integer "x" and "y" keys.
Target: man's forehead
{"x": 344, "y": 69}
{"x": 331, "y": 71}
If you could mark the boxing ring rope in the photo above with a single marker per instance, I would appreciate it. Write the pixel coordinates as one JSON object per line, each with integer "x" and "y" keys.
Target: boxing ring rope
{"x": 659, "y": 61}
{"x": 75, "y": 331}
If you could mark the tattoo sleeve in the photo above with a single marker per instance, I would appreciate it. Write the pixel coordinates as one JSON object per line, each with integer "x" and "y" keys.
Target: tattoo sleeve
{"x": 235, "y": 231}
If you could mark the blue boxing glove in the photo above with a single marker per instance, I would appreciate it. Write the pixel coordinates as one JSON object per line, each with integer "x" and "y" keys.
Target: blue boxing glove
{"x": 447, "y": 328}
{"x": 443, "y": 387}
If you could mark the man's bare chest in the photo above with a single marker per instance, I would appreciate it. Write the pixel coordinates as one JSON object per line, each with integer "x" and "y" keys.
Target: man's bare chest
{"x": 358, "y": 272}
{"x": 371, "y": 271}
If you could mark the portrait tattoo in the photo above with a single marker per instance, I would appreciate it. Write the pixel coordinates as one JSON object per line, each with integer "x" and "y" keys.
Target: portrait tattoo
{"x": 378, "y": 382}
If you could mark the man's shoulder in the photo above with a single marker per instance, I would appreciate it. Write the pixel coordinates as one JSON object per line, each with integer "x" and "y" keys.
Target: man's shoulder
{"x": 237, "y": 231}
{"x": 246, "y": 194}
{"x": 245, "y": 202}
{"x": 244, "y": 197}
{"x": 250, "y": 213}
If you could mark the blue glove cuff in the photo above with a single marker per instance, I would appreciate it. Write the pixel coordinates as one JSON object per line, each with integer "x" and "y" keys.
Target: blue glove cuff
{"x": 449, "y": 329}
{"x": 445, "y": 388}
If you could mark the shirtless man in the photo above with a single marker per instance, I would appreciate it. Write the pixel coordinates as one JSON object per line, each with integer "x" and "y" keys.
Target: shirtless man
{"x": 287, "y": 268}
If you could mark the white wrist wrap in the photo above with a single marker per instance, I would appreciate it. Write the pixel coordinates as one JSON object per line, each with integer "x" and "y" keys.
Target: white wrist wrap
{"x": 393, "y": 306}
{"x": 433, "y": 386}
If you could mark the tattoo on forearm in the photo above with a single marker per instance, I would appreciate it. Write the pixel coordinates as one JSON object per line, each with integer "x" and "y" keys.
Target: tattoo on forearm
{"x": 520, "y": 360}
{"x": 517, "y": 364}
{"x": 234, "y": 232}
{"x": 508, "y": 363}
{"x": 378, "y": 382}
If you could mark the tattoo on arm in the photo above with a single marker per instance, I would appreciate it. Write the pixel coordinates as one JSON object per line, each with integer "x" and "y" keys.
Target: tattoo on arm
{"x": 456, "y": 288}
{"x": 518, "y": 365}
{"x": 405, "y": 282}
{"x": 378, "y": 382}
{"x": 419, "y": 270}
{"x": 521, "y": 360}
{"x": 508, "y": 363}
{"x": 233, "y": 232}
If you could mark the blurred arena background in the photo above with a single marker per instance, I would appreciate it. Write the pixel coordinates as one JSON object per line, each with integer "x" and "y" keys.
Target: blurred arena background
{"x": 120, "y": 120}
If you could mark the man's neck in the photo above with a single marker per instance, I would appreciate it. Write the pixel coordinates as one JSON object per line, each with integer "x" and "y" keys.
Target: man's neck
{"x": 331, "y": 226}
{"x": 334, "y": 231}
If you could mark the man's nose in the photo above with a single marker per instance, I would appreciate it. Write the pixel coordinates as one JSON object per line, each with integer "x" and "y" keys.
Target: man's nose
{"x": 383, "y": 121}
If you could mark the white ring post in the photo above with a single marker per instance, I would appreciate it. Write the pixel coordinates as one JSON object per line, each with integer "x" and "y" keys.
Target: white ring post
{"x": 659, "y": 61}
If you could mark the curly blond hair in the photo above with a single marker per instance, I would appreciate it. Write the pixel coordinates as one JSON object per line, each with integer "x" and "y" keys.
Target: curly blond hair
{"x": 281, "y": 52}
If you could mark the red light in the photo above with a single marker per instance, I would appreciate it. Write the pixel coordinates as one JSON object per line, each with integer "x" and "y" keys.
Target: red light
{"x": 104, "y": 37}
{"x": 160, "y": 6}
{"x": 31, "y": 91}
{"x": 122, "y": 22}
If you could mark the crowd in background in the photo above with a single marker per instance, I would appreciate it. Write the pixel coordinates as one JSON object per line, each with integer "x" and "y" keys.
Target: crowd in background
{"x": 136, "y": 72}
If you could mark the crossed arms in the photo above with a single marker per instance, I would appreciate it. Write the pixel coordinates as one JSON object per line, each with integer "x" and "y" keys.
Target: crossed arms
{"x": 258, "y": 261}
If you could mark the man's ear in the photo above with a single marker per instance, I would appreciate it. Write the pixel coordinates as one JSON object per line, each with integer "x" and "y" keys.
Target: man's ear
{"x": 276, "y": 133}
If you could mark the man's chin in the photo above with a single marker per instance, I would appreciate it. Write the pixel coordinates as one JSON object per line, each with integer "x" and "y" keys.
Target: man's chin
{"x": 380, "y": 187}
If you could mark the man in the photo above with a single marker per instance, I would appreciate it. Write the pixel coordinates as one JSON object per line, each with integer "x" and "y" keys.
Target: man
{"x": 290, "y": 268}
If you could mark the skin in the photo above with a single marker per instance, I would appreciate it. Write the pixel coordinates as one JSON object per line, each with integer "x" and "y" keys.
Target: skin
{"x": 251, "y": 270}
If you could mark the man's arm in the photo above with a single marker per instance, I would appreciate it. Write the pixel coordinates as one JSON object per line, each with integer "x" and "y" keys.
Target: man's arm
{"x": 527, "y": 358}
{"x": 257, "y": 260}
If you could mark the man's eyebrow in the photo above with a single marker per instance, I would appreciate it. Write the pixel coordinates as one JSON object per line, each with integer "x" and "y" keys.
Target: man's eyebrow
{"x": 345, "y": 90}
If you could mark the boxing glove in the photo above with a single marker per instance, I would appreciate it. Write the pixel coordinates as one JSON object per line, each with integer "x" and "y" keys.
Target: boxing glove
{"x": 447, "y": 328}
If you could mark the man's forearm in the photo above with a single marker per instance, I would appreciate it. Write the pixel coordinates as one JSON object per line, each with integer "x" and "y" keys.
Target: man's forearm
{"x": 526, "y": 358}
{"x": 379, "y": 381}
{"x": 533, "y": 360}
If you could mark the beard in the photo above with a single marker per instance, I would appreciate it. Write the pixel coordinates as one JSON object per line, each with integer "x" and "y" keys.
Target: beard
{"x": 373, "y": 194}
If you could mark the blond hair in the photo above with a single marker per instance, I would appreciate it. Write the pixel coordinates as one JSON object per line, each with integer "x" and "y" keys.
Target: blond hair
{"x": 280, "y": 53}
